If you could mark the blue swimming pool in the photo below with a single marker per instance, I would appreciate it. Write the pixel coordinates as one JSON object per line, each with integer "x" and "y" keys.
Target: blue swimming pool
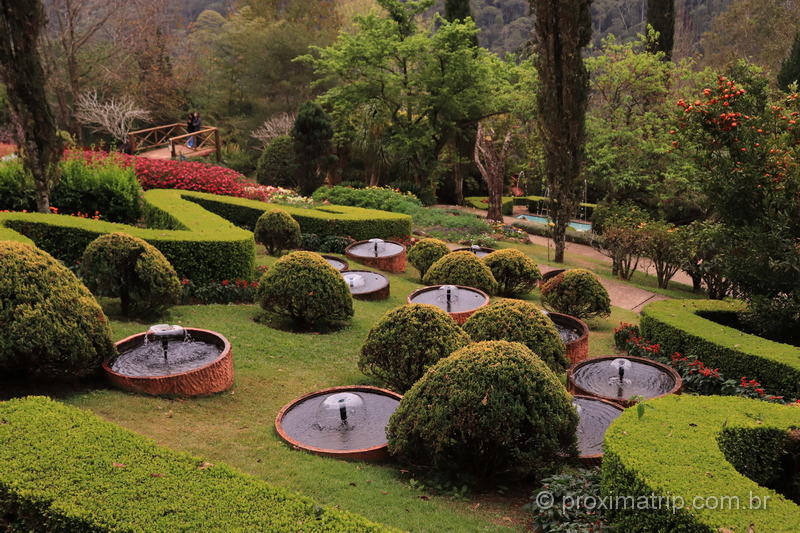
{"x": 577, "y": 226}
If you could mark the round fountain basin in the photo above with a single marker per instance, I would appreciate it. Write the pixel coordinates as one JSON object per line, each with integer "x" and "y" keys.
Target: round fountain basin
{"x": 644, "y": 378}
{"x": 308, "y": 423}
{"x": 480, "y": 251}
{"x": 575, "y": 334}
{"x": 466, "y": 300}
{"x": 199, "y": 368}
{"x": 339, "y": 264}
{"x": 391, "y": 256}
{"x": 366, "y": 285}
{"x": 595, "y": 417}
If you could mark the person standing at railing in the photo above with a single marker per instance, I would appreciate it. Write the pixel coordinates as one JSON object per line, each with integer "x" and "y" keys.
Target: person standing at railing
{"x": 193, "y": 124}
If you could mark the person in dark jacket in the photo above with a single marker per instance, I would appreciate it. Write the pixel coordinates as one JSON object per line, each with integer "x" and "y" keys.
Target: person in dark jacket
{"x": 193, "y": 124}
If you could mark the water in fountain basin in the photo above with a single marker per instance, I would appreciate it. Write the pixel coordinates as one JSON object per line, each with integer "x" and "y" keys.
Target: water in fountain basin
{"x": 595, "y": 417}
{"x": 462, "y": 299}
{"x": 641, "y": 379}
{"x": 567, "y": 334}
{"x": 147, "y": 360}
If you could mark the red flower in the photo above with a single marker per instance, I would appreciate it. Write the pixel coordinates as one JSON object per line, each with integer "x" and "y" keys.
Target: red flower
{"x": 225, "y": 282}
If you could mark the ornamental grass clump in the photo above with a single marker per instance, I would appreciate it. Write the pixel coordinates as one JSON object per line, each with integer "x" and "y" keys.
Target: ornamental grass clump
{"x": 406, "y": 341}
{"x": 490, "y": 411}
{"x": 515, "y": 272}
{"x": 523, "y": 322}
{"x": 425, "y": 253}
{"x": 305, "y": 288}
{"x": 51, "y": 324}
{"x": 576, "y": 292}
{"x": 461, "y": 268}
{"x": 277, "y": 231}
{"x": 120, "y": 265}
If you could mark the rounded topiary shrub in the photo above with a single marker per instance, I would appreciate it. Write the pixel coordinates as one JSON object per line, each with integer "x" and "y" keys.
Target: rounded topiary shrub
{"x": 576, "y": 292}
{"x": 489, "y": 410}
{"x": 425, "y": 253}
{"x": 519, "y": 321}
{"x": 406, "y": 341}
{"x": 277, "y": 231}
{"x": 305, "y": 288}
{"x": 51, "y": 324}
{"x": 120, "y": 265}
{"x": 461, "y": 268}
{"x": 516, "y": 273}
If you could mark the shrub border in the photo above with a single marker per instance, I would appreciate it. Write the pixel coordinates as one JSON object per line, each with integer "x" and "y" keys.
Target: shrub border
{"x": 677, "y": 326}
{"x": 683, "y": 459}
{"x": 96, "y": 476}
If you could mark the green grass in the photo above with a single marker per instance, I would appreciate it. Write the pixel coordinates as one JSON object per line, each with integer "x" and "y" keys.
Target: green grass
{"x": 272, "y": 368}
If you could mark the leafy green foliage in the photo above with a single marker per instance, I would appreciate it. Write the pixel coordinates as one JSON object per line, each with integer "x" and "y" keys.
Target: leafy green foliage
{"x": 563, "y": 513}
{"x": 690, "y": 453}
{"x": 576, "y": 292}
{"x": 406, "y": 341}
{"x": 278, "y": 164}
{"x": 100, "y": 477}
{"x": 662, "y": 244}
{"x": 128, "y": 267}
{"x": 101, "y": 188}
{"x": 515, "y": 272}
{"x": 383, "y": 198}
{"x": 790, "y": 67}
{"x": 52, "y": 325}
{"x": 277, "y": 231}
{"x": 305, "y": 288}
{"x": 425, "y": 253}
{"x": 618, "y": 229}
{"x": 519, "y": 321}
{"x": 461, "y": 268}
{"x": 678, "y": 326}
{"x": 491, "y": 410}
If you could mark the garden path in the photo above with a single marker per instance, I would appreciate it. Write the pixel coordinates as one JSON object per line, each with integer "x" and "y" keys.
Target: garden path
{"x": 622, "y": 294}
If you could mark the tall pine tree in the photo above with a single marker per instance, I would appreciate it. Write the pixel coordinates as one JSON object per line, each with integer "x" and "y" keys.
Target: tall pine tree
{"x": 456, "y": 9}
{"x": 790, "y": 67}
{"x": 21, "y": 22}
{"x": 661, "y": 16}
{"x": 563, "y": 28}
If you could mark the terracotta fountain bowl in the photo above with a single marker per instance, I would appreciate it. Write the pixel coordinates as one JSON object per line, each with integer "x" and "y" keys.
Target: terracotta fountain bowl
{"x": 459, "y": 316}
{"x": 210, "y": 378}
{"x": 577, "y": 350}
{"x": 375, "y": 453}
{"x": 606, "y": 411}
{"x": 394, "y": 263}
{"x": 575, "y": 388}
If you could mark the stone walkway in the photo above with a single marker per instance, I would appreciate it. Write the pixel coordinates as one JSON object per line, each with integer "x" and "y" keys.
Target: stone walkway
{"x": 622, "y": 294}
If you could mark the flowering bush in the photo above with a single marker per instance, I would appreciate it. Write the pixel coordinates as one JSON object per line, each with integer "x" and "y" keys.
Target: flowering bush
{"x": 238, "y": 291}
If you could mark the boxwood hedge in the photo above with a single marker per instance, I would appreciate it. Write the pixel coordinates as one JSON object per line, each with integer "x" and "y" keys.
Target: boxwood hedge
{"x": 98, "y": 477}
{"x": 202, "y": 246}
{"x": 356, "y": 222}
{"x": 680, "y": 326}
{"x": 686, "y": 450}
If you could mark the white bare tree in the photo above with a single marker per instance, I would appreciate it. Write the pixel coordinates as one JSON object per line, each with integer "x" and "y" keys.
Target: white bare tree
{"x": 274, "y": 127}
{"x": 115, "y": 116}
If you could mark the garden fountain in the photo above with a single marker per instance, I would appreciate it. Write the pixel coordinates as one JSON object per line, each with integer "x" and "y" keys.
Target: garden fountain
{"x": 595, "y": 416}
{"x": 366, "y": 285}
{"x": 623, "y": 380}
{"x": 458, "y": 301}
{"x": 342, "y": 422}
{"x": 479, "y": 251}
{"x": 339, "y": 264}
{"x": 389, "y": 256}
{"x": 575, "y": 334}
{"x": 172, "y": 360}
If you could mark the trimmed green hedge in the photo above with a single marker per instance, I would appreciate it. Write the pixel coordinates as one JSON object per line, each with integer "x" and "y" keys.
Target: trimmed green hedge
{"x": 678, "y": 325}
{"x": 681, "y": 449}
{"x": 356, "y": 222}
{"x": 481, "y": 202}
{"x": 508, "y": 203}
{"x": 95, "y": 476}
{"x": 201, "y": 246}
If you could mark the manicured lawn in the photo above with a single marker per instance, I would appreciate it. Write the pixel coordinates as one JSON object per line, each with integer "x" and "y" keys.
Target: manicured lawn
{"x": 272, "y": 368}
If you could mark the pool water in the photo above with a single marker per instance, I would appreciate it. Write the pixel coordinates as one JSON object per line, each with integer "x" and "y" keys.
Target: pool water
{"x": 577, "y": 226}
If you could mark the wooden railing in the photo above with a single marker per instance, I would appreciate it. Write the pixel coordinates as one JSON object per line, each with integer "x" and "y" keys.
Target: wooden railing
{"x": 206, "y": 140}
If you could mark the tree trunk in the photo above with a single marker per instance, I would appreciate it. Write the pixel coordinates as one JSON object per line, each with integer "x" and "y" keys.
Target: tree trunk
{"x": 661, "y": 16}
{"x": 21, "y": 71}
{"x": 563, "y": 28}
{"x": 495, "y": 201}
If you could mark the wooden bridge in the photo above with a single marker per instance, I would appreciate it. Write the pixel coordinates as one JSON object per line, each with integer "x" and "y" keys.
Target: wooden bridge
{"x": 172, "y": 142}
